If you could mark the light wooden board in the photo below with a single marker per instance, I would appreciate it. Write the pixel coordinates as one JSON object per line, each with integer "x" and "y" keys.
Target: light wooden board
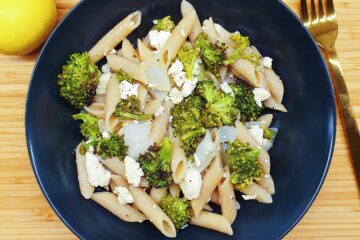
{"x": 25, "y": 214}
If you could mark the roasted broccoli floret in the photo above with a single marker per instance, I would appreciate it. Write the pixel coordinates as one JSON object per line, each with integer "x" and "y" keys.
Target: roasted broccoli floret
{"x": 114, "y": 146}
{"x": 178, "y": 210}
{"x": 241, "y": 43}
{"x": 220, "y": 108}
{"x": 187, "y": 56}
{"x": 78, "y": 80}
{"x": 269, "y": 134}
{"x": 156, "y": 164}
{"x": 123, "y": 76}
{"x": 129, "y": 109}
{"x": 164, "y": 24}
{"x": 89, "y": 126}
{"x": 187, "y": 123}
{"x": 243, "y": 163}
{"x": 213, "y": 55}
{"x": 244, "y": 100}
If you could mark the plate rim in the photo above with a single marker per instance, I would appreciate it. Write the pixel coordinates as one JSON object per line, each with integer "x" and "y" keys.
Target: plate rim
{"x": 328, "y": 157}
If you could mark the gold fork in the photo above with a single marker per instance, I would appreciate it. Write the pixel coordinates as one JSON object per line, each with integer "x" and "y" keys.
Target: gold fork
{"x": 323, "y": 27}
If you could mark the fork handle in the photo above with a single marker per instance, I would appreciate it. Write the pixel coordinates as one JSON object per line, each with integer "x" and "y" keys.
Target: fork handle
{"x": 346, "y": 112}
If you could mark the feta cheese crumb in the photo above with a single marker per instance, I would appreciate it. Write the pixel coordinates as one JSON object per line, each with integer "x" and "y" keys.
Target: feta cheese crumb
{"x": 97, "y": 174}
{"x": 127, "y": 89}
{"x": 105, "y": 134}
{"x": 191, "y": 184}
{"x": 237, "y": 204}
{"x": 133, "y": 172}
{"x": 260, "y": 95}
{"x": 267, "y": 62}
{"x": 91, "y": 148}
{"x": 226, "y": 88}
{"x": 158, "y": 38}
{"x": 160, "y": 111}
{"x": 257, "y": 132}
{"x": 124, "y": 195}
{"x": 103, "y": 80}
{"x": 176, "y": 71}
{"x": 175, "y": 95}
{"x": 249, "y": 197}
{"x": 155, "y": 21}
{"x": 105, "y": 68}
{"x": 188, "y": 87}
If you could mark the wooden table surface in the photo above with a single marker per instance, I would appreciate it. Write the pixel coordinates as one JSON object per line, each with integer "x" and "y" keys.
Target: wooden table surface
{"x": 25, "y": 214}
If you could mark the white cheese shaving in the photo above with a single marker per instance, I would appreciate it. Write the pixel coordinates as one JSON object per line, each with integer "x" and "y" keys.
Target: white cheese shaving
{"x": 176, "y": 71}
{"x": 158, "y": 38}
{"x": 267, "y": 62}
{"x": 175, "y": 95}
{"x": 188, "y": 87}
{"x": 127, "y": 89}
{"x": 124, "y": 195}
{"x": 97, "y": 174}
{"x": 133, "y": 172}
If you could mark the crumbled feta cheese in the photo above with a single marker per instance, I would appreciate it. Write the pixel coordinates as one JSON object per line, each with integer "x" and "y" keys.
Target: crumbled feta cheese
{"x": 124, "y": 195}
{"x": 257, "y": 132}
{"x": 267, "y": 62}
{"x": 237, "y": 205}
{"x": 159, "y": 111}
{"x": 133, "y": 172}
{"x": 226, "y": 134}
{"x": 158, "y": 38}
{"x": 175, "y": 95}
{"x": 91, "y": 148}
{"x": 97, "y": 174}
{"x": 155, "y": 21}
{"x": 105, "y": 134}
{"x": 226, "y": 88}
{"x": 188, "y": 87}
{"x": 260, "y": 95}
{"x": 196, "y": 69}
{"x": 103, "y": 80}
{"x": 191, "y": 184}
{"x": 249, "y": 197}
{"x": 176, "y": 71}
{"x": 182, "y": 32}
{"x": 205, "y": 152}
{"x": 127, "y": 89}
{"x": 105, "y": 68}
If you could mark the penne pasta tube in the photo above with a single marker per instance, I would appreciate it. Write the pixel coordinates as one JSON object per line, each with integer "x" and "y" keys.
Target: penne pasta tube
{"x": 157, "y": 193}
{"x": 115, "y": 165}
{"x": 144, "y": 52}
{"x": 117, "y": 180}
{"x": 209, "y": 29}
{"x": 266, "y": 119}
{"x": 214, "y": 198}
{"x": 142, "y": 95}
{"x": 112, "y": 99}
{"x": 267, "y": 182}
{"x": 152, "y": 107}
{"x": 86, "y": 189}
{"x": 245, "y": 70}
{"x": 212, "y": 221}
{"x": 210, "y": 181}
{"x": 160, "y": 124}
{"x": 96, "y": 109}
{"x": 272, "y": 104}
{"x": 178, "y": 37}
{"x": 125, "y": 212}
{"x": 133, "y": 69}
{"x": 129, "y": 52}
{"x": 207, "y": 208}
{"x": 227, "y": 198}
{"x": 178, "y": 162}
{"x": 258, "y": 192}
{"x": 153, "y": 212}
{"x": 115, "y": 36}
{"x": 274, "y": 84}
{"x": 186, "y": 7}
{"x": 174, "y": 190}
{"x": 99, "y": 98}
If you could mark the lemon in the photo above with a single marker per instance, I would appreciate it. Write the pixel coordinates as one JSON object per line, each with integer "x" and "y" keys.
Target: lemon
{"x": 25, "y": 24}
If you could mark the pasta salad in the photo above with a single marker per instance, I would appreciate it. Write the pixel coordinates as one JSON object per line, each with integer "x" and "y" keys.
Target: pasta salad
{"x": 175, "y": 125}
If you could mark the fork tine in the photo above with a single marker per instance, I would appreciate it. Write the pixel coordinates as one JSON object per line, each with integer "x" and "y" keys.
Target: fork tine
{"x": 321, "y": 9}
{"x": 330, "y": 9}
{"x": 304, "y": 11}
{"x": 313, "y": 11}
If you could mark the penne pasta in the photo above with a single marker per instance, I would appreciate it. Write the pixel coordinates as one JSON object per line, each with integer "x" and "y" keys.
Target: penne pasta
{"x": 186, "y": 8}
{"x": 266, "y": 120}
{"x": 115, "y": 165}
{"x": 96, "y": 109}
{"x": 174, "y": 190}
{"x": 209, "y": 29}
{"x": 112, "y": 99}
{"x": 157, "y": 193}
{"x": 207, "y": 208}
{"x": 272, "y": 104}
{"x": 142, "y": 96}
{"x": 133, "y": 69}
{"x": 178, "y": 37}
{"x": 99, "y": 98}
{"x": 152, "y": 107}
{"x": 153, "y": 212}
{"x": 267, "y": 183}
{"x": 115, "y": 36}
{"x": 86, "y": 189}
{"x": 244, "y": 69}
{"x": 274, "y": 84}
{"x": 258, "y": 192}
{"x": 117, "y": 180}
{"x": 129, "y": 52}
{"x": 178, "y": 162}
{"x": 210, "y": 181}
{"x": 214, "y": 198}
{"x": 125, "y": 212}
{"x": 144, "y": 52}
{"x": 160, "y": 124}
{"x": 212, "y": 221}
{"x": 227, "y": 198}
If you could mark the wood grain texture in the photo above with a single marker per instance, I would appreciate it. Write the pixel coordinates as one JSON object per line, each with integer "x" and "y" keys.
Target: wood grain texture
{"x": 25, "y": 214}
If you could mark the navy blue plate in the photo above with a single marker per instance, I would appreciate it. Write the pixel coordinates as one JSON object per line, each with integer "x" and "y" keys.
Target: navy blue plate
{"x": 303, "y": 147}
